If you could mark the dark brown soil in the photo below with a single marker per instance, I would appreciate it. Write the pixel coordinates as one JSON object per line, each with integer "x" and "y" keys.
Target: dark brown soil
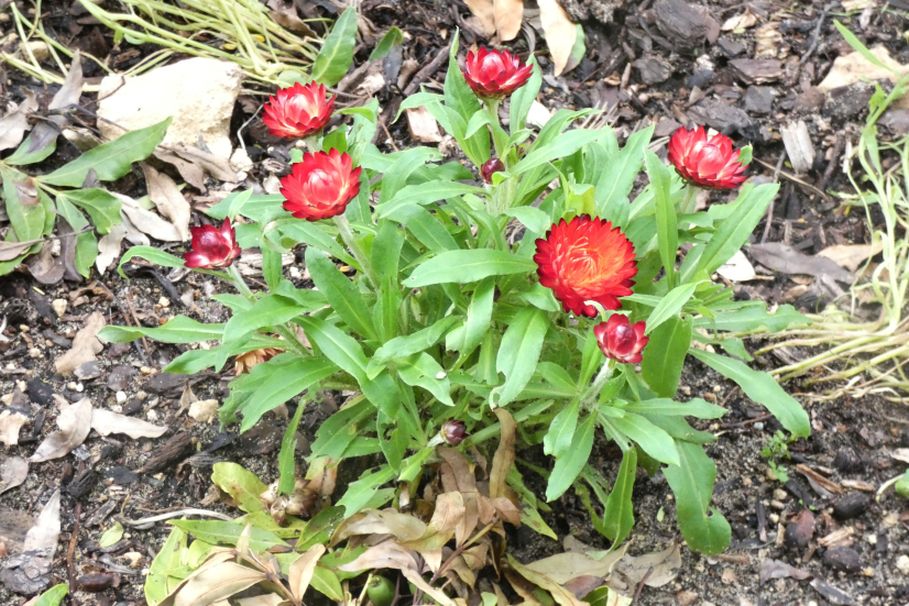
{"x": 639, "y": 74}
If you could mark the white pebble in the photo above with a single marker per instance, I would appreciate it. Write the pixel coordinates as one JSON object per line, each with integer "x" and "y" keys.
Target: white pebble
{"x": 902, "y": 563}
{"x": 121, "y": 397}
{"x": 59, "y": 307}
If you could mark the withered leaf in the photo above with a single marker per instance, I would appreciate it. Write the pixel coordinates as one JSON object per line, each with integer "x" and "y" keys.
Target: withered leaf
{"x": 503, "y": 460}
{"x": 508, "y": 15}
{"x": 302, "y": 569}
{"x": 14, "y": 124}
{"x": 107, "y": 422}
{"x": 28, "y": 572}
{"x": 13, "y": 471}
{"x": 484, "y": 11}
{"x": 786, "y": 259}
{"x": 168, "y": 199}
{"x": 544, "y": 581}
{"x": 45, "y": 267}
{"x": 74, "y": 422}
{"x": 216, "y": 581}
{"x": 560, "y": 33}
{"x": 10, "y": 424}
{"x": 85, "y": 345}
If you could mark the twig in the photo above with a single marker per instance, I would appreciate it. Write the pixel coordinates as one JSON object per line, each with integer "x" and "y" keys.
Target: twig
{"x": 71, "y": 549}
{"x": 794, "y": 179}
{"x": 189, "y": 511}
{"x": 426, "y": 72}
{"x": 768, "y": 222}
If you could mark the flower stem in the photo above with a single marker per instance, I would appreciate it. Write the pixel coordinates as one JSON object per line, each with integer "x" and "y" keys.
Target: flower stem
{"x": 499, "y": 136}
{"x": 603, "y": 375}
{"x": 356, "y": 250}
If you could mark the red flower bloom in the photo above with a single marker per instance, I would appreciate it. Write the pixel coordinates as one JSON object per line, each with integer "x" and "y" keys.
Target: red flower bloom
{"x": 212, "y": 247}
{"x": 621, "y": 340}
{"x": 493, "y": 165}
{"x": 586, "y": 260}
{"x": 321, "y": 185}
{"x": 298, "y": 111}
{"x": 495, "y": 73}
{"x": 710, "y": 162}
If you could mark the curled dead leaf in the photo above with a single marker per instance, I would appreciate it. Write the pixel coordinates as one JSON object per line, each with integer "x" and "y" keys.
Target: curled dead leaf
{"x": 107, "y": 422}
{"x": 170, "y": 202}
{"x": 10, "y": 424}
{"x": 74, "y": 422}
{"x": 13, "y": 471}
{"x": 560, "y": 32}
{"x": 508, "y": 15}
{"x": 85, "y": 345}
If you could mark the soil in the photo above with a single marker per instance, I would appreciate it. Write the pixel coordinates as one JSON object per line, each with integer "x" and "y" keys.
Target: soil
{"x": 641, "y": 70}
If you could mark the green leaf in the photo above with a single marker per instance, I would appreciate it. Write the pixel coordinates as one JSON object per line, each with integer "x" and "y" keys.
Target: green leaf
{"x": 392, "y": 38}
{"x": 669, "y": 306}
{"x": 568, "y": 466}
{"x": 618, "y": 176}
{"x": 666, "y": 407}
{"x": 111, "y": 536}
{"x": 101, "y": 205}
{"x": 558, "y": 438}
{"x": 52, "y": 597}
{"x": 149, "y": 253}
{"x": 110, "y": 161}
{"x": 425, "y": 227}
{"x": 705, "y": 530}
{"x": 653, "y": 440}
{"x": 618, "y": 513}
{"x": 344, "y": 297}
{"x": 464, "y": 339}
{"x": 27, "y": 215}
{"x": 222, "y": 532}
{"x": 665, "y": 212}
{"x": 270, "y": 310}
{"x": 271, "y": 384}
{"x": 37, "y": 146}
{"x": 563, "y": 146}
{"x": 423, "y": 371}
{"x": 365, "y": 492}
{"x": 519, "y": 353}
{"x": 523, "y": 98}
{"x": 408, "y": 345}
{"x": 86, "y": 253}
{"x": 464, "y": 266}
{"x": 763, "y": 389}
{"x": 167, "y": 569}
{"x": 664, "y": 356}
{"x": 752, "y": 316}
{"x": 423, "y": 193}
{"x": 243, "y": 486}
{"x": 178, "y": 329}
{"x": 337, "y": 52}
{"x": 339, "y": 347}
{"x": 733, "y": 231}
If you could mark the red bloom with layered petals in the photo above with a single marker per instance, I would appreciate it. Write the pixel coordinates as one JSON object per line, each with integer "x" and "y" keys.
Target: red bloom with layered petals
{"x": 621, "y": 340}
{"x": 298, "y": 111}
{"x": 493, "y": 165}
{"x": 708, "y": 161}
{"x": 495, "y": 73}
{"x": 212, "y": 247}
{"x": 586, "y": 260}
{"x": 321, "y": 185}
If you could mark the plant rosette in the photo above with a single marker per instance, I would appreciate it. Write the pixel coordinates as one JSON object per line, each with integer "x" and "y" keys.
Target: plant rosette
{"x": 555, "y": 290}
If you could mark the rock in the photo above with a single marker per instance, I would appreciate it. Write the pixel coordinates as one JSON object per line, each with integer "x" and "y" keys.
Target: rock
{"x": 700, "y": 78}
{"x": 722, "y": 117}
{"x": 198, "y": 93}
{"x": 896, "y": 121}
{"x": 757, "y": 71}
{"x": 759, "y": 100}
{"x": 59, "y": 307}
{"x": 686, "y": 26}
{"x": 204, "y": 411}
{"x": 40, "y": 392}
{"x": 902, "y": 564}
{"x": 653, "y": 70}
{"x": 851, "y": 505}
{"x": 686, "y": 598}
{"x": 730, "y": 46}
{"x": 848, "y": 102}
{"x": 843, "y": 558}
{"x": 800, "y": 530}
{"x": 810, "y": 100}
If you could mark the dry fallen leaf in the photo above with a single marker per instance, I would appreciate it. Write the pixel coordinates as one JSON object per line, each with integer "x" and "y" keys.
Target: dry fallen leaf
{"x": 13, "y": 471}
{"x": 503, "y": 460}
{"x": 560, "y": 32}
{"x": 85, "y": 345}
{"x": 214, "y": 582}
{"x": 75, "y": 422}
{"x": 508, "y": 15}
{"x": 45, "y": 267}
{"x": 542, "y": 580}
{"x": 28, "y": 572}
{"x": 851, "y": 256}
{"x": 484, "y": 11}
{"x": 854, "y": 67}
{"x": 10, "y": 424}
{"x": 107, "y": 422}
{"x": 168, "y": 199}
{"x": 422, "y": 126}
{"x": 786, "y": 259}
{"x": 302, "y": 569}
{"x": 652, "y": 569}
{"x": 109, "y": 247}
{"x": 739, "y": 23}
{"x": 738, "y": 268}
{"x": 798, "y": 145}
{"x": 148, "y": 222}
{"x": 14, "y": 124}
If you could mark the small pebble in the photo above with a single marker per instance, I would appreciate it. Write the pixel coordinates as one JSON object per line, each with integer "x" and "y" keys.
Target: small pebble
{"x": 843, "y": 558}
{"x": 777, "y": 504}
{"x": 851, "y": 505}
{"x": 686, "y": 598}
{"x": 728, "y": 577}
{"x": 204, "y": 411}
{"x": 780, "y": 495}
{"x": 121, "y": 397}
{"x": 164, "y": 302}
{"x": 902, "y": 564}
{"x": 800, "y": 530}
{"x": 152, "y": 415}
{"x": 59, "y": 307}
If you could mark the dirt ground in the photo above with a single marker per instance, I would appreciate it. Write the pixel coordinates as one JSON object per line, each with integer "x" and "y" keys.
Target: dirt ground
{"x": 818, "y": 537}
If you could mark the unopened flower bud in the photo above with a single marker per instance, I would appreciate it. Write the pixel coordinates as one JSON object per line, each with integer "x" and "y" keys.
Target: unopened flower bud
{"x": 454, "y": 432}
{"x": 493, "y": 165}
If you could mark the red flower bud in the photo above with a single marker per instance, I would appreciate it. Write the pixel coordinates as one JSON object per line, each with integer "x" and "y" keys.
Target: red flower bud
{"x": 586, "y": 260}
{"x": 212, "y": 247}
{"x": 321, "y": 185}
{"x": 621, "y": 340}
{"x": 454, "y": 432}
{"x": 493, "y": 165}
{"x": 710, "y": 162}
{"x": 298, "y": 111}
{"x": 495, "y": 73}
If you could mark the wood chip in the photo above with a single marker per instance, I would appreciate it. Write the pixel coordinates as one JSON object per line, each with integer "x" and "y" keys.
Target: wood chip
{"x": 798, "y": 145}
{"x": 422, "y": 126}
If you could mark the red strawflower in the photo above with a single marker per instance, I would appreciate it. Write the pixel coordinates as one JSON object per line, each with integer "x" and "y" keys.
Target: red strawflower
{"x": 495, "y": 73}
{"x": 621, "y": 340}
{"x": 586, "y": 260}
{"x": 493, "y": 165}
{"x": 708, "y": 161}
{"x": 298, "y": 111}
{"x": 321, "y": 185}
{"x": 212, "y": 247}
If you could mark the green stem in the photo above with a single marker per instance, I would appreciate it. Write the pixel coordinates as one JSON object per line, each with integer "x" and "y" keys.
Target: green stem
{"x": 599, "y": 381}
{"x": 356, "y": 250}
{"x": 499, "y": 136}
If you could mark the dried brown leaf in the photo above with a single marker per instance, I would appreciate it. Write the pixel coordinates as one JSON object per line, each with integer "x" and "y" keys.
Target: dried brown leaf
{"x": 13, "y": 471}
{"x": 107, "y": 422}
{"x": 544, "y": 581}
{"x": 503, "y": 460}
{"x": 45, "y": 267}
{"x": 786, "y": 259}
{"x": 653, "y": 569}
{"x": 11, "y": 250}
{"x": 302, "y": 569}
{"x": 215, "y": 582}
{"x": 387, "y": 554}
{"x": 484, "y": 11}
{"x": 565, "y": 567}
{"x": 74, "y": 422}
{"x": 14, "y": 124}
{"x": 508, "y": 15}
{"x": 170, "y": 202}
{"x": 851, "y": 256}
{"x": 109, "y": 247}
{"x": 148, "y": 222}
{"x": 85, "y": 345}
{"x": 10, "y": 424}
{"x": 29, "y": 571}
{"x": 560, "y": 33}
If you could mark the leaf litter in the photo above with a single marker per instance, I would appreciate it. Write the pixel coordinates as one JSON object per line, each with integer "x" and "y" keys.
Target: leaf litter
{"x": 29, "y": 572}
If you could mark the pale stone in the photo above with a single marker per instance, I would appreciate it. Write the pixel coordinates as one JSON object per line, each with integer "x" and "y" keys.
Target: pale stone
{"x": 59, "y": 307}
{"x": 204, "y": 411}
{"x": 198, "y": 93}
